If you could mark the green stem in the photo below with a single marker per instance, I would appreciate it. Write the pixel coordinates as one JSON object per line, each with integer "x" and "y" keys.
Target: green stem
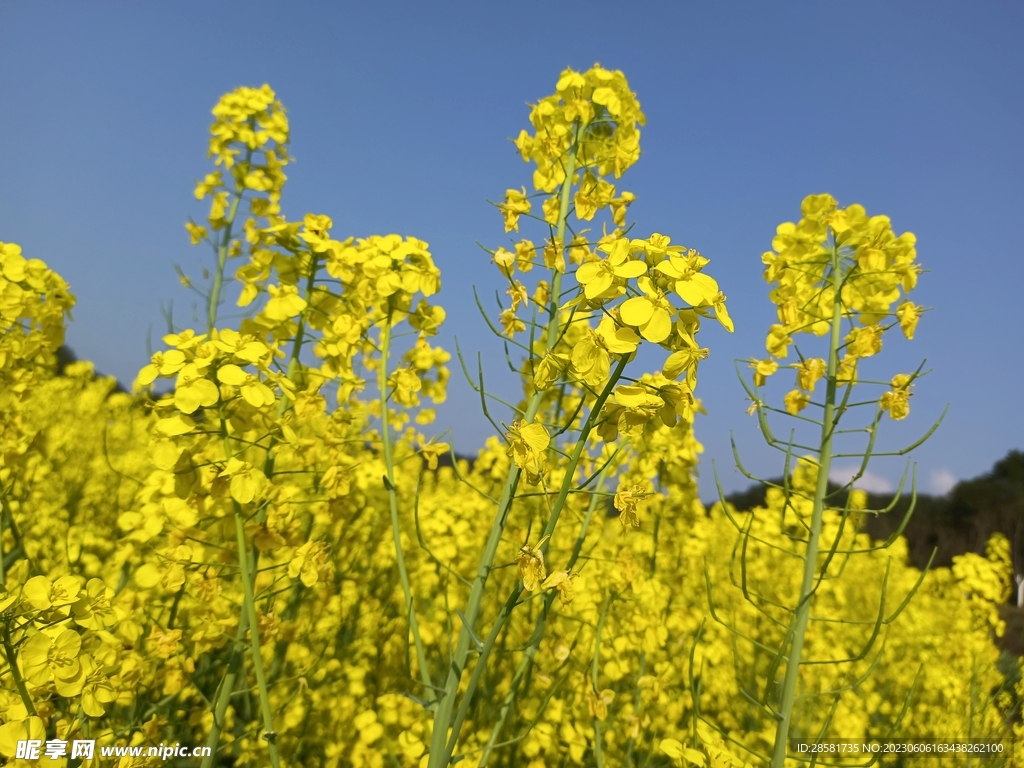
{"x": 227, "y": 687}
{"x": 538, "y": 631}
{"x": 234, "y": 664}
{"x": 803, "y": 610}
{"x": 19, "y": 544}
{"x": 403, "y": 574}
{"x": 19, "y": 681}
{"x": 570, "y": 473}
{"x": 446, "y": 706}
{"x": 222, "y": 252}
{"x": 257, "y": 658}
{"x": 248, "y": 574}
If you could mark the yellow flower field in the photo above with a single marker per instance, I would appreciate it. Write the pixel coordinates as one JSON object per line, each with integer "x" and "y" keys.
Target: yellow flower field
{"x": 261, "y": 550}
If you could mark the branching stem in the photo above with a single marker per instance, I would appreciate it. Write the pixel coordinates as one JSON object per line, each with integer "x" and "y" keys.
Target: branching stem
{"x": 803, "y": 608}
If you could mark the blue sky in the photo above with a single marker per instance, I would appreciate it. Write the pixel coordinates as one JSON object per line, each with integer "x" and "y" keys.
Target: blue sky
{"x": 401, "y": 115}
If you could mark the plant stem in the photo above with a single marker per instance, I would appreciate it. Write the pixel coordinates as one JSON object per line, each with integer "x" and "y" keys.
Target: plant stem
{"x": 248, "y": 575}
{"x": 19, "y": 681}
{"x": 443, "y": 715}
{"x": 257, "y": 658}
{"x": 389, "y": 464}
{"x": 803, "y": 610}
{"x": 538, "y": 632}
{"x": 222, "y": 252}
{"x": 227, "y": 687}
{"x": 555, "y": 512}
{"x": 235, "y": 661}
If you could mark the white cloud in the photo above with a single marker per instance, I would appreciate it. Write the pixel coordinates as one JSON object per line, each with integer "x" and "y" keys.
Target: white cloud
{"x": 869, "y": 482}
{"x": 942, "y": 481}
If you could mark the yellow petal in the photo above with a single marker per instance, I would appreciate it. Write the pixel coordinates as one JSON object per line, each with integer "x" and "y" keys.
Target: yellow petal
{"x": 20, "y": 730}
{"x": 631, "y": 396}
{"x": 723, "y": 317}
{"x": 175, "y": 425}
{"x": 535, "y": 436}
{"x": 147, "y": 576}
{"x": 671, "y": 747}
{"x": 598, "y": 285}
{"x": 697, "y": 289}
{"x": 630, "y": 269}
{"x": 187, "y": 399}
{"x": 231, "y": 374}
{"x": 37, "y": 592}
{"x": 636, "y": 311}
{"x": 658, "y": 327}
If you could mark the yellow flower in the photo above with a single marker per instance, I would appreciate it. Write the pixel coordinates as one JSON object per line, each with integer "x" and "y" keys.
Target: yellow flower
{"x": 685, "y": 359}
{"x": 864, "y": 342}
{"x": 41, "y": 593}
{"x": 549, "y": 370}
{"x": 897, "y": 400}
{"x": 619, "y": 206}
{"x": 649, "y": 313}
{"x": 193, "y": 390}
{"x": 531, "y": 565}
{"x": 253, "y": 391}
{"x": 685, "y": 755}
{"x": 310, "y": 563}
{"x": 908, "y": 314}
{"x": 432, "y": 451}
{"x": 518, "y": 294}
{"x": 196, "y": 232}
{"x": 721, "y": 312}
{"x": 405, "y": 386}
{"x": 511, "y": 325}
{"x": 552, "y": 207}
{"x": 598, "y": 703}
{"x": 527, "y": 446}
{"x": 591, "y": 355}
{"x": 210, "y": 182}
{"x": 505, "y": 260}
{"x": 778, "y": 341}
{"x": 694, "y": 287}
{"x": 847, "y": 371}
{"x": 247, "y": 482}
{"x": 796, "y": 401}
{"x": 44, "y": 656}
{"x": 161, "y": 364}
{"x": 599, "y": 278}
{"x": 7, "y": 600}
{"x": 93, "y": 610}
{"x": 23, "y": 729}
{"x": 809, "y": 372}
{"x": 593, "y": 194}
{"x": 762, "y": 370}
{"x": 526, "y": 252}
{"x": 516, "y": 204}
{"x": 562, "y": 581}
{"x": 285, "y": 302}
{"x": 93, "y": 683}
{"x": 626, "y": 501}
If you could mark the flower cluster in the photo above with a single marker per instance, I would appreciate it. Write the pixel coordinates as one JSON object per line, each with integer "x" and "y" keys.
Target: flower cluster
{"x": 597, "y": 111}
{"x": 839, "y": 259}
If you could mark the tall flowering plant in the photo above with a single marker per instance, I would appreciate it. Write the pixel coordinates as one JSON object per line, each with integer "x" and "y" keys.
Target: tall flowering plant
{"x": 599, "y": 299}
{"x": 843, "y": 276}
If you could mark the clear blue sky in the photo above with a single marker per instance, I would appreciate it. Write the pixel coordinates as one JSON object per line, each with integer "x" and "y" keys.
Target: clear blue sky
{"x": 401, "y": 115}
